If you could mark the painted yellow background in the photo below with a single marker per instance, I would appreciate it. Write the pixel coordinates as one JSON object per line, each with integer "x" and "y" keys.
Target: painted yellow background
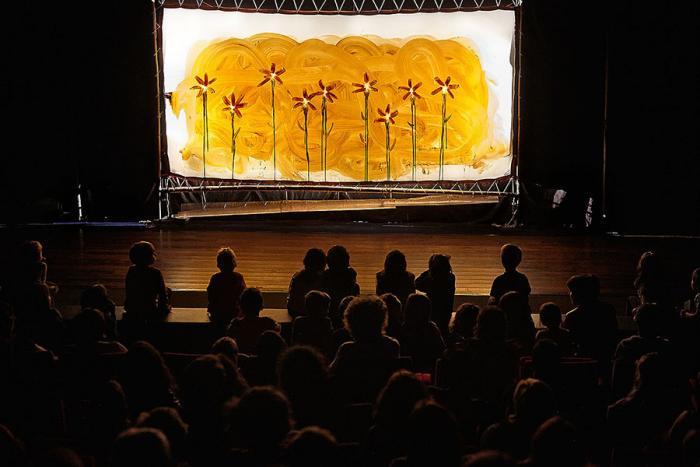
{"x": 235, "y": 63}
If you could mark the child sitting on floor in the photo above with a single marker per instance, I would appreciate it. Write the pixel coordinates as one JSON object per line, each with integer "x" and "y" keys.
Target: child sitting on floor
{"x": 511, "y": 279}
{"x": 225, "y": 289}
{"x": 146, "y": 296}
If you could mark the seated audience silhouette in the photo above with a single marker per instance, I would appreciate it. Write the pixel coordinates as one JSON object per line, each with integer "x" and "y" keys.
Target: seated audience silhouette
{"x": 433, "y": 438}
{"x": 304, "y": 281}
{"x": 36, "y": 318}
{"x": 303, "y": 376}
{"x": 557, "y": 443}
{"x": 207, "y": 384}
{"x": 521, "y": 328}
{"x": 486, "y": 368}
{"x": 511, "y": 280}
{"x": 261, "y": 422}
{"x": 650, "y": 283}
{"x": 141, "y": 447}
{"x": 362, "y": 366}
{"x": 225, "y": 289}
{"x": 261, "y": 369}
{"x": 438, "y": 282}
{"x": 592, "y": 323}
{"x": 533, "y": 403}
{"x": 638, "y": 423}
{"x": 148, "y": 383}
{"x": 315, "y": 328}
{"x": 341, "y": 333}
{"x": 227, "y": 347}
{"x": 312, "y": 447}
{"x": 339, "y": 280}
{"x": 420, "y": 338}
{"x": 395, "y": 317}
{"x": 388, "y": 436}
{"x": 97, "y": 297}
{"x": 168, "y": 421}
{"x": 394, "y": 278}
{"x": 550, "y": 318}
{"x": 650, "y": 321}
{"x": 89, "y": 329}
{"x": 692, "y": 306}
{"x": 247, "y": 328}
{"x": 462, "y": 327}
{"x": 31, "y": 266}
{"x": 684, "y": 426}
{"x": 146, "y": 297}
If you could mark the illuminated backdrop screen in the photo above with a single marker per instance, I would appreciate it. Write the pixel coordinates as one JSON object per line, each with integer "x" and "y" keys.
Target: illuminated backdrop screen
{"x": 228, "y": 107}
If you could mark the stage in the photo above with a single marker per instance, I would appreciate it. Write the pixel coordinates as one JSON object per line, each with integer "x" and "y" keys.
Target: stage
{"x": 269, "y": 252}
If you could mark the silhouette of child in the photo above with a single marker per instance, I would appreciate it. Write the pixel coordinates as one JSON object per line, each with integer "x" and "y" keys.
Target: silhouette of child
{"x": 550, "y": 317}
{"x": 394, "y": 278}
{"x": 146, "y": 295}
{"x": 304, "y": 281}
{"x": 247, "y": 328}
{"x": 511, "y": 279}
{"x": 225, "y": 289}
{"x": 438, "y": 282}
{"x": 315, "y": 328}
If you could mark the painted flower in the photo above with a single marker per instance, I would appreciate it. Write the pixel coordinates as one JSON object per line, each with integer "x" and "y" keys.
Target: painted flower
{"x": 367, "y": 86}
{"x": 444, "y": 87}
{"x": 387, "y": 116}
{"x": 326, "y": 91}
{"x": 411, "y": 90}
{"x": 272, "y": 74}
{"x": 203, "y": 85}
{"x": 305, "y": 100}
{"x": 233, "y": 105}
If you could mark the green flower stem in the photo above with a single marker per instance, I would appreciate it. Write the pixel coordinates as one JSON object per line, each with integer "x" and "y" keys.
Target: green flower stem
{"x": 443, "y": 134}
{"x": 388, "y": 153}
{"x": 274, "y": 134}
{"x": 324, "y": 137}
{"x": 233, "y": 144}
{"x": 306, "y": 144}
{"x": 413, "y": 136}
{"x": 205, "y": 135}
{"x": 366, "y": 136}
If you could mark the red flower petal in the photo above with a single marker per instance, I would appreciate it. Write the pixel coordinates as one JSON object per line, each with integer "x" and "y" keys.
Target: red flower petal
{"x": 263, "y": 81}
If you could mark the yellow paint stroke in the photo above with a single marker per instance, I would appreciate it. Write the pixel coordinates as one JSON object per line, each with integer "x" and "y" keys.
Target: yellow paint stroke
{"x": 235, "y": 63}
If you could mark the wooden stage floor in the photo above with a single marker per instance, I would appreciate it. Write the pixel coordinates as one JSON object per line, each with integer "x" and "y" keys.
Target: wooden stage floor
{"x": 270, "y": 252}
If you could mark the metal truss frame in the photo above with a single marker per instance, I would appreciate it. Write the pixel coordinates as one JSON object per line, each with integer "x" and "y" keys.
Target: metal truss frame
{"x": 174, "y": 184}
{"x": 342, "y": 6}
